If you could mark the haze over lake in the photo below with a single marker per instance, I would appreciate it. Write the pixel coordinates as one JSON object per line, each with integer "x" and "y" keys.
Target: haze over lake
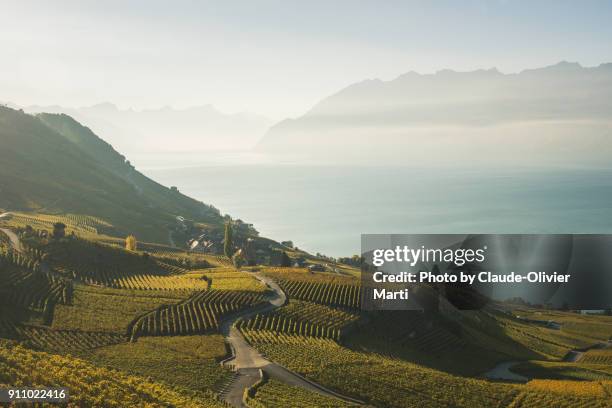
{"x": 326, "y": 208}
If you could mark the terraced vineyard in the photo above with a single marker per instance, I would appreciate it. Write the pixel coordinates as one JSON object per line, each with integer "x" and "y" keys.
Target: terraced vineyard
{"x": 577, "y": 388}
{"x": 228, "y": 278}
{"x": 79, "y": 224}
{"x": 177, "y": 256}
{"x": 414, "y": 330}
{"x": 190, "y": 362}
{"x": 562, "y": 370}
{"x": 78, "y": 292}
{"x": 277, "y": 394}
{"x": 200, "y": 313}
{"x": 218, "y": 260}
{"x": 187, "y": 281}
{"x": 8, "y": 329}
{"x": 304, "y": 319}
{"x": 97, "y": 308}
{"x": 99, "y": 264}
{"x": 26, "y": 285}
{"x": 528, "y": 399}
{"x": 159, "y": 250}
{"x": 172, "y": 269}
{"x": 305, "y": 275}
{"x": 564, "y": 394}
{"x": 5, "y": 242}
{"x": 379, "y": 380}
{"x": 43, "y": 338}
{"x": 548, "y": 342}
{"x": 390, "y": 382}
{"x": 89, "y": 385}
{"x": 338, "y": 295}
{"x": 595, "y": 356}
{"x": 263, "y": 336}
{"x": 591, "y": 327}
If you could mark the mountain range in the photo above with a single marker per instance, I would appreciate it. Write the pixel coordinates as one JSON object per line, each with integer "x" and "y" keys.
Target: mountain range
{"x": 560, "y": 115}
{"x": 138, "y": 133}
{"x": 556, "y": 115}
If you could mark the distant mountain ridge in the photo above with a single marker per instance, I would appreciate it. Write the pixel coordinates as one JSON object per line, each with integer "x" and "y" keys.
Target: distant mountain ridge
{"x": 167, "y": 130}
{"x": 459, "y": 115}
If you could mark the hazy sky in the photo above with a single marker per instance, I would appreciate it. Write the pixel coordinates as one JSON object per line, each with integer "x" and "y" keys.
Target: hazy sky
{"x": 275, "y": 58}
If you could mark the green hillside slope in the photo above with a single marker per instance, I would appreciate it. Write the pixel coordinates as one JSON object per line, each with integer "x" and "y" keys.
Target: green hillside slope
{"x": 53, "y": 163}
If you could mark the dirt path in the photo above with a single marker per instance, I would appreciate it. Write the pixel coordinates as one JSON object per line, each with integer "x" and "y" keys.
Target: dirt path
{"x": 247, "y": 360}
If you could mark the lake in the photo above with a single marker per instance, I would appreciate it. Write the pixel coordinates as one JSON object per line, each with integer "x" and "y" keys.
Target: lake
{"x": 326, "y": 208}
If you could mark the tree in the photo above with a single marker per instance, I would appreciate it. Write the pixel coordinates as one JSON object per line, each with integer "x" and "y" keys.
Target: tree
{"x": 228, "y": 242}
{"x": 249, "y": 253}
{"x": 130, "y": 243}
{"x": 285, "y": 260}
{"x": 59, "y": 230}
{"x": 238, "y": 260}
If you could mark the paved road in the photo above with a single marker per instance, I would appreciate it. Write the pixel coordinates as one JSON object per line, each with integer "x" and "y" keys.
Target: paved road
{"x": 577, "y": 354}
{"x": 247, "y": 377}
{"x": 573, "y": 356}
{"x": 15, "y": 243}
{"x": 502, "y": 372}
{"x": 248, "y": 360}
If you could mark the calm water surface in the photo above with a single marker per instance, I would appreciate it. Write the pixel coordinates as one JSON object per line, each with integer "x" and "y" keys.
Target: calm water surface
{"x": 325, "y": 209}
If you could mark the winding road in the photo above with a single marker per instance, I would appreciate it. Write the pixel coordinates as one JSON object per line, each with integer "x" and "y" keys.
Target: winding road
{"x": 573, "y": 356}
{"x": 15, "y": 243}
{"x": 502, "y": 370}
{"x": 247, "y": 361}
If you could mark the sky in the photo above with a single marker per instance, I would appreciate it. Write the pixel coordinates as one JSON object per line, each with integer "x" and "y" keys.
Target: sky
{"x": 273, "y": 58}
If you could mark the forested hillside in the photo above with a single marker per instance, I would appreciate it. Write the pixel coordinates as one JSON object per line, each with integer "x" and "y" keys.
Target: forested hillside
{"x": 53, "y": 163}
